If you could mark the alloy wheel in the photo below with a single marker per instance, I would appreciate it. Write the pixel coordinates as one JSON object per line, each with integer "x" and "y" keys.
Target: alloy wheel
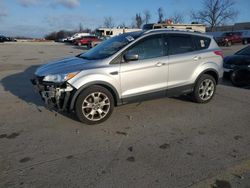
{"x": 96, "y": 106}
{"x": 206, "y": 89}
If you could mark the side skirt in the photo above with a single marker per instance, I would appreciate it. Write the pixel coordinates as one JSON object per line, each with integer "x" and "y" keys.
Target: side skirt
{"x": 173, "y": 92}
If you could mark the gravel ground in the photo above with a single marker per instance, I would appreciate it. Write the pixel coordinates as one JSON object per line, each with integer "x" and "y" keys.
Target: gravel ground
{"x": 169, "y": 142}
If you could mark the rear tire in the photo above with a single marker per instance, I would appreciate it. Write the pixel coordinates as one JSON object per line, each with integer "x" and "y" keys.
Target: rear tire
{"x": 204, "y": 89}
{"x": 245, "y": 42}
{"x": 94, "y": 105}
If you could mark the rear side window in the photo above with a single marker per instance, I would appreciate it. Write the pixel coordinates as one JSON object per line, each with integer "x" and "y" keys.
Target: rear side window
{"x": 201, "y": 43}
{"x": 179, "y": 44}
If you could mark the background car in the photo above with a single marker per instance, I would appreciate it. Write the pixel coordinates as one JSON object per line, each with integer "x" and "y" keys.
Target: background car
{"x": 246, "y": 37}
{"x": 76, "y": 36}
{"x": 2, "y": 38}
{"x": 237, "y": 67}
{"x": 229, "y": 38}
{"x": 87, "y": 41}
{"x": 10, "y": 39}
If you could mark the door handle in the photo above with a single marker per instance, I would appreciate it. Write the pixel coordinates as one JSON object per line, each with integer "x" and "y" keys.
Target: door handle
{"x": 159, "y": 64}
{"x": 196, "y": 58}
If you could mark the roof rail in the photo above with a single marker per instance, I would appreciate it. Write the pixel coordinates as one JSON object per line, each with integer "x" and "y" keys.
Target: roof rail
{"x": 170, "y": 29}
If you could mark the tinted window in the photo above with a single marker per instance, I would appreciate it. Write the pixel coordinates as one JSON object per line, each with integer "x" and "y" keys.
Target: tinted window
{"x": 151, "y": 47}
{"x": 201, "y": 43}
{"x": 244, "y": 51}
{"x": 179, "y": 44}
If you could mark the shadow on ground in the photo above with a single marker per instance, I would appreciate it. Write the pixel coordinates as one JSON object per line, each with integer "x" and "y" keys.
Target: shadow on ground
{"x": 19, "y": 85}
{"x": 227, "y": 82}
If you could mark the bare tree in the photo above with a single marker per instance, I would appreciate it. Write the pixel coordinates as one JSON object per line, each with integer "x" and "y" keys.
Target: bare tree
{"x": 138, "y": 20}
{"x": 160, "y": 15}
{"x": 108, "y": 22}
{"x": 147, "y": 16}
{"x": 215, "y": 12}
{"x": 177, "y": 18}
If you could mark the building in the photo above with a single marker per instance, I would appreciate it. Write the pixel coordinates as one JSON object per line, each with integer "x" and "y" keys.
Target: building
{"x": 110, "y": 32}
{"x": 235, "y": 27}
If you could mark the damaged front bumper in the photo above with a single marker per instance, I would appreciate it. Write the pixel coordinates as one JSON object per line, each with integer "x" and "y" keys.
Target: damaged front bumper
{"x": 55, "y": 95}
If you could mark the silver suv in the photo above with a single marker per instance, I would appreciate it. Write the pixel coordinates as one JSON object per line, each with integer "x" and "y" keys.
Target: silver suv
{"x": 132, "y": 67}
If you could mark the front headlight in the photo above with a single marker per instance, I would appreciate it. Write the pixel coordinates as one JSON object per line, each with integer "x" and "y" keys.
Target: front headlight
{"x": 59, "y": 78}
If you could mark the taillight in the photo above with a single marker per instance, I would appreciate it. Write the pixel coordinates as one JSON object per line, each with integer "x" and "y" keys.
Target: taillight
{"x": 219, "y": 52}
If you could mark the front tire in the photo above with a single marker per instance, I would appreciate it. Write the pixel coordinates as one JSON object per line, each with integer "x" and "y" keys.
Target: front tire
{"x": 94, "y": 105}
{"x": 204, "y": 89}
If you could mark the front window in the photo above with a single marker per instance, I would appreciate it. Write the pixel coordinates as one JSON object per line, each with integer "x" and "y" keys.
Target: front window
{"x": 110, "y": 46}
{"x": 151, "y": 47}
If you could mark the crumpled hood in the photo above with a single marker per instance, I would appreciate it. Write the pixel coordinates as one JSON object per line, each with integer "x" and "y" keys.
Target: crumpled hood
{"x": 64, "y": 66}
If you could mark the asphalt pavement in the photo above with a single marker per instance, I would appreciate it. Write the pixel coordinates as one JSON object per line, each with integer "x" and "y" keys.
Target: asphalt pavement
{"x": 169, "y": 142}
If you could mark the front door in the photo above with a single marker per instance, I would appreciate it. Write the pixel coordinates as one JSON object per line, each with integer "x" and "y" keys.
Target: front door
{"x": 148, "y": 74}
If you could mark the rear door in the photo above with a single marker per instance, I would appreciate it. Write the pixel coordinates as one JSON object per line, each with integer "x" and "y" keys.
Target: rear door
{"x": 183, "y": 59}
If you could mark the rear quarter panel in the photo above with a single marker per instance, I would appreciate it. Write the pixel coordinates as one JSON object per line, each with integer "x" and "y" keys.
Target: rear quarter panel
{"x": 209, "y": 61}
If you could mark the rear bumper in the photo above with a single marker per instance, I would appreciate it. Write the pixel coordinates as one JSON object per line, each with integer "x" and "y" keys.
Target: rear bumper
{"x": 54, "y": 95}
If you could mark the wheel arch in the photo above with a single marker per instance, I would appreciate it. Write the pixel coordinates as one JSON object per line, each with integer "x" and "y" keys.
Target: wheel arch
{"x": 106, "y": 85}
{"x": 211, "y": 72}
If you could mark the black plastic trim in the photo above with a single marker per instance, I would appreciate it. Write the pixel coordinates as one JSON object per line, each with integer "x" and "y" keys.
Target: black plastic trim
{"x": 173, "y": 92}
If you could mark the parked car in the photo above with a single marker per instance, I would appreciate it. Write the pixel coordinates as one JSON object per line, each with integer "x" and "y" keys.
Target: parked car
{"x": 237, "y": 67}
{"x": 10, "y": 39}
{"x": 132, "y": 67}
{"x": 2, "y": 38}
{"x": 76, "y": 36}
{"x": 87, "y": 41}
{"x": 246, "y": 37}
{"x": 229, "y": 38}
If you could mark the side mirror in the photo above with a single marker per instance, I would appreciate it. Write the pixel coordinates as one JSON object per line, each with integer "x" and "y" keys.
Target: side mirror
{"x": 131, "y": 57}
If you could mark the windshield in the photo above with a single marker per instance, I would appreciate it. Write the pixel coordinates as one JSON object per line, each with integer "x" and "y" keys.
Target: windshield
{"x": 110, "y": 46}
{"x": 244, "y": 51}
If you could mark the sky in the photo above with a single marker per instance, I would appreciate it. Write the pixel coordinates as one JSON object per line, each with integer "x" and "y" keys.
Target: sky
{"x": 35, "y": 18}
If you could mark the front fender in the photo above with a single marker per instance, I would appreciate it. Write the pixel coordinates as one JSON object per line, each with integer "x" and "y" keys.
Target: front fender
{"x": 84, "y": 80}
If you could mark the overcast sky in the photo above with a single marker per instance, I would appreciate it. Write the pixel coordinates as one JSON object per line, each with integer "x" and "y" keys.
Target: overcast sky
{"x": 36, "y": 18}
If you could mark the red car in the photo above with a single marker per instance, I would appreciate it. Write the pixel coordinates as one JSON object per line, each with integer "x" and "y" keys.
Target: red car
{"x": 87, "y": 41}
{"x": 229, "y": 38}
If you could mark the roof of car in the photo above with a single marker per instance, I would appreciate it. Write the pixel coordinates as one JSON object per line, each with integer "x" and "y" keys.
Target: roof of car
{"x": 176, "y": 31}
